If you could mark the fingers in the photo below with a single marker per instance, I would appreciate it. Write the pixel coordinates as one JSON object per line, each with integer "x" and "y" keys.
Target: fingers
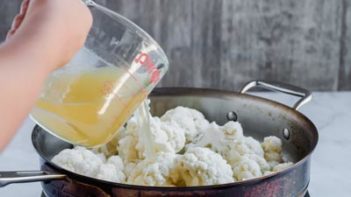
{"x": 19, "y": 18}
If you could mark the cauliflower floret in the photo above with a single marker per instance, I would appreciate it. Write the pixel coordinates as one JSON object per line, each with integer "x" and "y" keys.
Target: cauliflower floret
{"x": 127, "y": 144}
{"x": 254, "y": 146}
{"x": 282, "y": 166}
{"x": 191, "y": 120}
{"x": 156, "y": 171}
{"x": 128, "y": 168}
{"x": 85, "y": 162}
{"x": 201, "y": 166}
{"x": 246, "y": 168}
{"x": 278, "y": 168}
{"x": 228, "y": 140}
{"x": 272, "y": 147}
{"x": 164, "y": 137}
{"x": 116, "y": 161}
{"x": 127, "y": 149}
{"x": 232, "y": 130}
{"x": 218, "y": 137}
{"x": 242, "y": 147}
{"x": 264, "y": 166}
{"x": 244, "y": 154}
{"x": 175, "y": 135}
{"x": 79, "y": 160}
{"x": 112, "y": 170}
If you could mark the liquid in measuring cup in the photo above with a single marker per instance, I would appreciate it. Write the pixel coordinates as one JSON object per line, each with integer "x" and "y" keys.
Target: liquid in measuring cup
{"x": 92, "y": 107}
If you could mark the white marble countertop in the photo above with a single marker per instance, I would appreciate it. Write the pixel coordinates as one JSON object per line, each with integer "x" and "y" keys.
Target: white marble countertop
{"x": 330, "y": 170}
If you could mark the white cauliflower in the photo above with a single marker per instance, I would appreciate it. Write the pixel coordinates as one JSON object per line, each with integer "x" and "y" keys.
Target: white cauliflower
{"x": 201, "y": 166}
{"x": 85, "y": 162}
{"x": 112, "y": 170}
{"x": 156, "y": 136}
{"x": 127, "y": 144}
{"x": 246, "y": 168}
{"x": 244, "y": 154}
{"x": 229, "y": 141}
{"x": 155, "y": 171}
{"x": 250, "y": 166}
{"x": 242, "y": 147}
{"x": 264, "y": 166}
{"x": 218, "y": 138}
{"x": 116, "y": 161}
{"x": 254, "y": 146}
{"x": 79, "y": 160}
{"x": 282, "y": 166}
{"x": 191, "y": 120}
{"x": 278, "y": 168}
{"x": 148, "y": 152}
{"x": 272, "y": 147}
{"x": 165, "y": 137}
{"x": 128, "y": 168}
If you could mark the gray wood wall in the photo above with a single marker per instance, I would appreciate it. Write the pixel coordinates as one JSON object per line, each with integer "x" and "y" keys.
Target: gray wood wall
{"x": 225, "y": 43}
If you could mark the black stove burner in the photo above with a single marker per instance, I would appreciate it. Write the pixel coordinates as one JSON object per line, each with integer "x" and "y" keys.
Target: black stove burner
{"x": 306, "y": 195}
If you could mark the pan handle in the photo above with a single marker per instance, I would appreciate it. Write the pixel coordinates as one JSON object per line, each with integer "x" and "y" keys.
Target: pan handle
{"x": 9, "y": 177}
{"x": 305, "y": 95}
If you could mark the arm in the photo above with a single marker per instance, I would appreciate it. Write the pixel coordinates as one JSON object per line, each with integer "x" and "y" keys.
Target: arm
{"x": 21, "y": 77}
{"x": 45, "y": 35}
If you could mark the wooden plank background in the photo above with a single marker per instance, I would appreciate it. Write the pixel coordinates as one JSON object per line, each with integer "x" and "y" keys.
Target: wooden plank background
{"x": 225, "y": 43}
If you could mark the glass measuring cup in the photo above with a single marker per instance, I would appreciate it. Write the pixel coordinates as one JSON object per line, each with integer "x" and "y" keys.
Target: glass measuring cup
{"x": 91, "y": 97}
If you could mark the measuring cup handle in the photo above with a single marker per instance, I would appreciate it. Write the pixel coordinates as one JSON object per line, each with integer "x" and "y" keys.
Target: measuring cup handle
{"x": 305, "y": 95}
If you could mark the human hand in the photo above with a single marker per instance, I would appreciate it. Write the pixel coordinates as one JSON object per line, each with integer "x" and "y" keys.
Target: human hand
{"x": 50, "y": 30}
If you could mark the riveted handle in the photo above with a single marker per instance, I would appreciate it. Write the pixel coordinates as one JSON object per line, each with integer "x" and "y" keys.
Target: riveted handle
{"x": 9, "y": 177}
{"x": 305, "y": 95}
{"x": 89, "y": 2}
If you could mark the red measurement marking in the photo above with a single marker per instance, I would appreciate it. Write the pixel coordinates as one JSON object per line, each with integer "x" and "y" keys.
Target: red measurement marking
{"x": 146, "y": 61}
